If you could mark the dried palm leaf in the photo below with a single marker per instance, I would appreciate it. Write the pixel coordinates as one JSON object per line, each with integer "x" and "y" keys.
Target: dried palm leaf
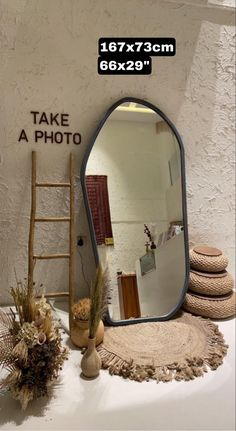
{"x": 6, "y": 338}
{"x": 6, "y": 347}
{"x": 6, "y": 320}
{"x": 8, "y": 325}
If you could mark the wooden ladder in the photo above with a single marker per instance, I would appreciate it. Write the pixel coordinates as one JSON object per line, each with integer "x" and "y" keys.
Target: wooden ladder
{"x": 32, "y": 258}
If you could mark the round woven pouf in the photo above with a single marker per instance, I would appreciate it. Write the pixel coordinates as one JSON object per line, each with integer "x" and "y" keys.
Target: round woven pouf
{"x": 208, "y": 259}
{"x": 210, "y": 283}
{"x": 212, "y": 307}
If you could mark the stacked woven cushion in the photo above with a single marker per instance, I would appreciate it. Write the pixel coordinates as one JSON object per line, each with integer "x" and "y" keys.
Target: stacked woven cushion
{"x": 210, "y": 291}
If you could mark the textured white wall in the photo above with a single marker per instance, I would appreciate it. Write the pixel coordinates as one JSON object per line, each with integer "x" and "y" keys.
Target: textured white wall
{"x": 48, "y": 62}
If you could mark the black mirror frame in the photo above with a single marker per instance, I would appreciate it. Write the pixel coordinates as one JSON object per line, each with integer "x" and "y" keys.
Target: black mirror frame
{"x": 109, "y": 320}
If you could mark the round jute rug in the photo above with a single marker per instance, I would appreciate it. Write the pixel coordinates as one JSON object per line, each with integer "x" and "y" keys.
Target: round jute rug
{"x": 181, "y": 349}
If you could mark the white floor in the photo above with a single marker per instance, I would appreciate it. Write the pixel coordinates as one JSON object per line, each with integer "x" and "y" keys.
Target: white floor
{"x": 112, "y": 403}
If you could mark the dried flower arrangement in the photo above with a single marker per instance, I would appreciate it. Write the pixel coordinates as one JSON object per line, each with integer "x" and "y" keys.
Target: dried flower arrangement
{"x": 81, "y": 309}
{"x": 30, "y": 346}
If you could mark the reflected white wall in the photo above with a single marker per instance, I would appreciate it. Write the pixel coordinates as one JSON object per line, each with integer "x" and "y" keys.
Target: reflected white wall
{"x": 135, "y": 159}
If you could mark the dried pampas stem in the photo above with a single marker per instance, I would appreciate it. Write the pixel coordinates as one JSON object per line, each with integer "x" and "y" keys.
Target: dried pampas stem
{"x": 96, "y": 302}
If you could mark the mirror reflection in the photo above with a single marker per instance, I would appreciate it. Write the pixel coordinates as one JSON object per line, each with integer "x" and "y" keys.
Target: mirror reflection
{"x": 133, "y": 182}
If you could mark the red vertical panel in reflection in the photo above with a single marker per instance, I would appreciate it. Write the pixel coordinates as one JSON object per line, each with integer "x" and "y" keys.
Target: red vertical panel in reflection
{"x": 97, "y": 191}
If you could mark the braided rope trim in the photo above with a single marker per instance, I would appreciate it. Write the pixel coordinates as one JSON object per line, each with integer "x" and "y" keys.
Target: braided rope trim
{"x": 210, "y": 286}
{"x": 214, "y": 309}
{"x": 208, "y": 263}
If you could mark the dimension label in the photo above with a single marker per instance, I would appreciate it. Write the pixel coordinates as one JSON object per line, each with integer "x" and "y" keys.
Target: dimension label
{"x": 154, "y": 46}
{"x": 124, "y": 65}
{"x": 132, "y": 56}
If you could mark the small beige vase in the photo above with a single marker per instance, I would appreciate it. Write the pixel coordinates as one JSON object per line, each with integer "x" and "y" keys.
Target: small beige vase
{"x": 91, "y": 362}
{"x": 80, "y": 333}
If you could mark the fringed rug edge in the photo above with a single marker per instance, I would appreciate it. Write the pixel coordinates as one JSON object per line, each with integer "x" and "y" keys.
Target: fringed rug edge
{"x": 189, "y": 369}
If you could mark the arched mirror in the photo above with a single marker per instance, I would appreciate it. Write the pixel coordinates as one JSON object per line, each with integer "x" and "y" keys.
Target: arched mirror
{"x": 133, "y": 181}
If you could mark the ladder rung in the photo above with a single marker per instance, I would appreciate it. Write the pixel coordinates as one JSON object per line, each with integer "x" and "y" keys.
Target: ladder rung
{"x": 52, "y": 256}
{"x": 52, "y": 219}
{"x": 54, "y": 295}
{"x": 52, "y": 184}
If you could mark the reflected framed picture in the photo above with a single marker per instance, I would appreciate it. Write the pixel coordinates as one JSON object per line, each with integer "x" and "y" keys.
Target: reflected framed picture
{"x": 147, "y": 263}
